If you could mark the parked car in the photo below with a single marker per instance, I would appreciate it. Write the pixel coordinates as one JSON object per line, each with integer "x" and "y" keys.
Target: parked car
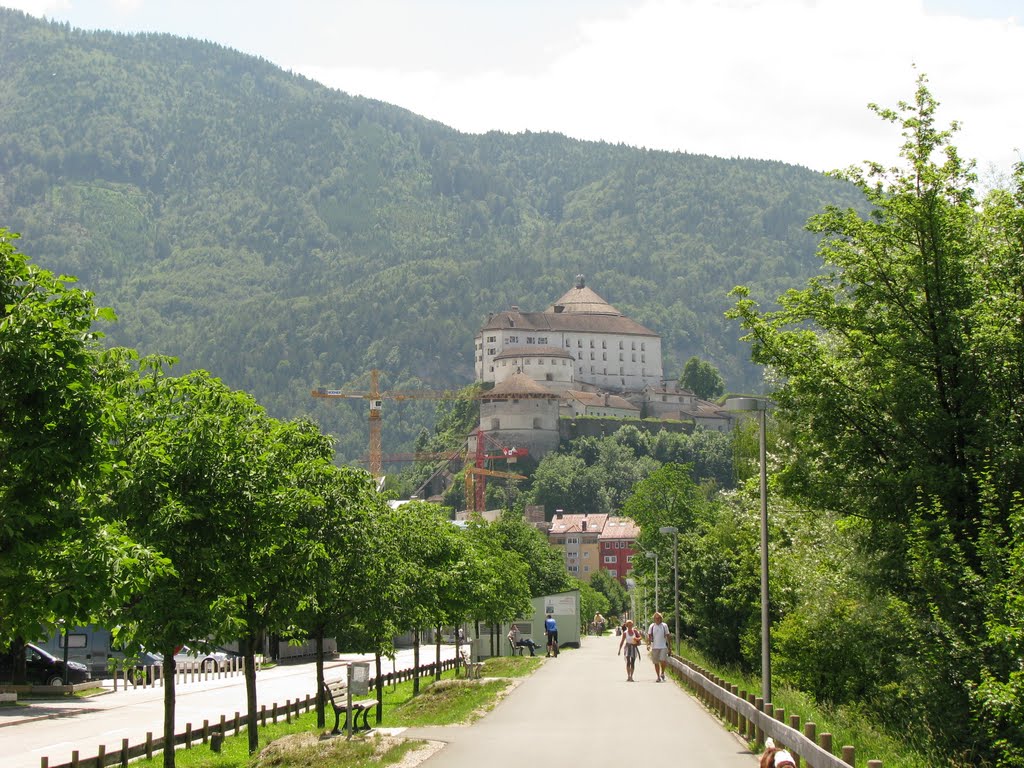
{"x": 42, "y": 668}
{"x": 208, "y": 662}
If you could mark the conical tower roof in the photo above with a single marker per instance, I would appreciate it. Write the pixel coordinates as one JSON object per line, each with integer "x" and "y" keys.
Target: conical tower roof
{"x": 518, "y": 385}
{"x": 583, "y": 301}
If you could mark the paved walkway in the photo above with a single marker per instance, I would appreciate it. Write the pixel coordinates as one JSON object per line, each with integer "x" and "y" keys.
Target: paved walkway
{"x": 578, "y": 710}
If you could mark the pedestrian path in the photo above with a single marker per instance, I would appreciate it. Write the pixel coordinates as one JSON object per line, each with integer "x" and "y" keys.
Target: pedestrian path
{"x": 578, "y": 710}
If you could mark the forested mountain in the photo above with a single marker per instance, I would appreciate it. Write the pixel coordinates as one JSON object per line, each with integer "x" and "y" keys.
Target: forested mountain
{"x": 284, "y": 235}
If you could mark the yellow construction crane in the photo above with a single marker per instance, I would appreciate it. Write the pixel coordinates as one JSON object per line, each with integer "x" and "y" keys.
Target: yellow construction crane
{"x": 376, "y": 398}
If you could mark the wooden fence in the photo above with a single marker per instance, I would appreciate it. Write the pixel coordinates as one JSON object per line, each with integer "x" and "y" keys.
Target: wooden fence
{"x": 228, "y": 725}
{"x": 756, "y": 720}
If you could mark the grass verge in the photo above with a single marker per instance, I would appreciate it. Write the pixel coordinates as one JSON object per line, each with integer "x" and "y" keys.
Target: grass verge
{"x": 301, "y": 743}
{"x": 846, "y": 724}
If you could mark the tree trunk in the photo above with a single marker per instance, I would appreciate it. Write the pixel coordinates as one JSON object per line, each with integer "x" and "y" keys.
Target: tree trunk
{"x": 250, "y": 682}
{"x": 380, "y": 689}
{"x": 168, "y": 673}
{"x": 321, "y": 721}
{"x": 437, "y": 654}
{"x": 416, "y": 663}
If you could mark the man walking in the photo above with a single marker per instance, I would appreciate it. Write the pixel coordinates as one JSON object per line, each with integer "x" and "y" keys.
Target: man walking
{"x": 551, "y": 628}
{"x": 657, "y": 644}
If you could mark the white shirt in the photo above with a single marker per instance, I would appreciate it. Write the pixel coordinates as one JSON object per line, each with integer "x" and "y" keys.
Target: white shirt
{"x": 658, "y": 634}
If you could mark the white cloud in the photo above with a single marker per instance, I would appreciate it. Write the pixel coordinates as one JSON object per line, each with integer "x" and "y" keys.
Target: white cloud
{"x": 778, "y": 79}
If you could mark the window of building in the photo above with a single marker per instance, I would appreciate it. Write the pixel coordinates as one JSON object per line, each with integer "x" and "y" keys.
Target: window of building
{"x": 591, "y": 369}
{"x": 604, "y": 355}
{"x": 621, "y": 357}
{"x": 591, "y": 355}
{"x": 586, "y": 554}
{"x": 512, "y": 340}
{"x": 576, "y": 540}
{"x": 536, "y": 423}
{"x": 579, "y": 342}
{"x": 643, "y": 358}
{"x": 611, "y": 558}
{"x": 629, "y": 558}
{"x": 620, "y": 345}
{"x": 542, "y": 339}
{"x": 586, "y": 569}
{"x": 604, "y": 345}
{"x": 551, "y": 376}
{"x": 633, "y": 346}
{"x": 531, "y": 340}
{"x": 634, "y": 357}
{"x": 591, "y": 343}
{"x": 491, "y": 339}
{"x": 643, "y": 346}
{"x": 495, "y": 424}
{"x": 491, "y": 350}
{"x": 540, "y": 361}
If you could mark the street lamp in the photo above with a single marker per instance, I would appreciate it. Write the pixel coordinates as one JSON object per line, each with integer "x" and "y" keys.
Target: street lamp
{"x": 760, "y": 406}
{"x": 675, "y": 572}
{"x": 654, "y": 556}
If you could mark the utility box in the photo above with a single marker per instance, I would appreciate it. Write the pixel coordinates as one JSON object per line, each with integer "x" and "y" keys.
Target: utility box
{"x": 359, "y": 678}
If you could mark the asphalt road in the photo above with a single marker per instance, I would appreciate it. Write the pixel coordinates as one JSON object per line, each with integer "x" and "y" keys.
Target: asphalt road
{"x": 55, "y": 728}
{"x": 578, "y": 710}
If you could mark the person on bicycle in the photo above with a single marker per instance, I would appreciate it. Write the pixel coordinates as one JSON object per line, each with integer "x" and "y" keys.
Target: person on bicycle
{"x": 551, "y": 627}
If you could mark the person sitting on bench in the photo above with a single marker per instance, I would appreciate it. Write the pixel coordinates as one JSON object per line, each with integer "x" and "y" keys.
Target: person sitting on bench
{"x": 520, "y": 642}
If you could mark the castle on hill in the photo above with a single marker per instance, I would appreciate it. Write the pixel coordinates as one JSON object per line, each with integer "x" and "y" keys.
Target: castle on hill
{"x": 579, "y": 357}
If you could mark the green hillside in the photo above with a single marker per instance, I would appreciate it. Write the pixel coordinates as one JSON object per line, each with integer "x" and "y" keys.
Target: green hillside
{"x": 284, "y": 235}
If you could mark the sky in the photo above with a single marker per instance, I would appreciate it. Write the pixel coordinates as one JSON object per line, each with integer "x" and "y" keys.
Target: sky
{"x": 786, "y": 80}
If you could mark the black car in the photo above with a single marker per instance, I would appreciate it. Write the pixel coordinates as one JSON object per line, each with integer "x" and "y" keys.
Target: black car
{"x": 43, "y": 669}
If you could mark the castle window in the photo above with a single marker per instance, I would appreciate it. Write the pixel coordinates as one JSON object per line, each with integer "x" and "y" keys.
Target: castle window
{"x": 643, "y": 346}
{"x": 604, "y": 345}
{"x": 604, "y": 355}
{"x": 591, "y": 343}
{"x": 491, "y": 339}
{"x": 530, "y": 340}
{"x": 536, "y": 423}
{"x": 620, "y": 345}
{"x": 542, "y": 339}
{"x": 634, "y": 357}
{"x": 643, "y": 358}
{"x": 512, "y": 340}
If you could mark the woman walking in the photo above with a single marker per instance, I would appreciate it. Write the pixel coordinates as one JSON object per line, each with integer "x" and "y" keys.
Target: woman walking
{"x": 631, "y": 639}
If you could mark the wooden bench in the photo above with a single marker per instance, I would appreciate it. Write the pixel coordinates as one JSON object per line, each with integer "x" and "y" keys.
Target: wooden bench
{"x": 336, "y": 694}
{"x": 517, "y": 650}
{"x": 473, "y": 668}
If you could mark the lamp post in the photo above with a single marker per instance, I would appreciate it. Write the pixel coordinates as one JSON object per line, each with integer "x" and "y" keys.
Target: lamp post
{"x": 760, "y": 406}
{"x": 654, "y": 556}
{"x": 675, "y": 574}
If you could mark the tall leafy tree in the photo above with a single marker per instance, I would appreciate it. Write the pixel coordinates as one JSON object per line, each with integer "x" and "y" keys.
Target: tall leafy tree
{"x": 702, "y": 378}
{"x": 51, "y": 428}
{"x": 899, "y": 370}
{"x": 192, "y": 464}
